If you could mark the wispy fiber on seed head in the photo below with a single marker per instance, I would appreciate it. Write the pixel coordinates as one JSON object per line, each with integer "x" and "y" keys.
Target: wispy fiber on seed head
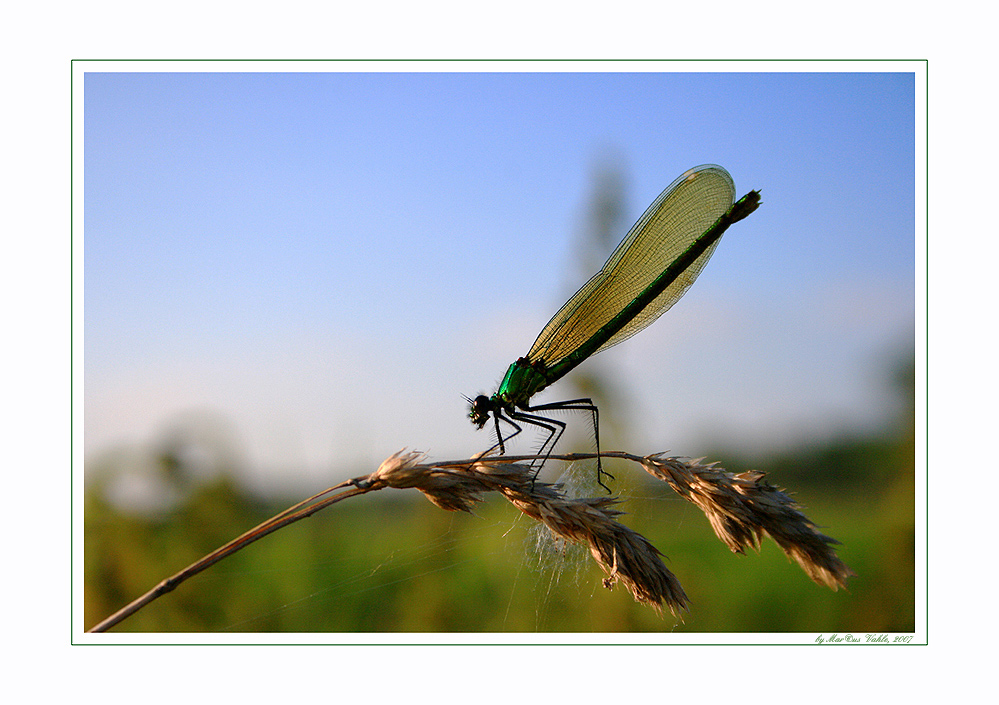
{"x": 623, "y": 554}
{"x": 743, "y": 507}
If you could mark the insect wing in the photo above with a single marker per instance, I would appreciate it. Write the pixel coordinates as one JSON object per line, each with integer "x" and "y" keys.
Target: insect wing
{"x": 681, "y": 214}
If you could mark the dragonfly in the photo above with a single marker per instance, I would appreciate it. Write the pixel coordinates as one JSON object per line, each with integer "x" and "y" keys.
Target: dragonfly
{"x": 646, "y": 274}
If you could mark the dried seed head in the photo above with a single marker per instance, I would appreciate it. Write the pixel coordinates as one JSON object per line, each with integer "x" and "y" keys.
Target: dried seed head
{"x": 743, "y": 507}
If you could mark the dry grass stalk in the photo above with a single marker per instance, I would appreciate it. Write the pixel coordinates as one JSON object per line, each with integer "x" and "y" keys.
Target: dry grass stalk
{"x": 743, "y": 507}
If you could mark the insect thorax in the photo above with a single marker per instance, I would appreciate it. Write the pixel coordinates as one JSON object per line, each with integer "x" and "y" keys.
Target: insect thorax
{"x": 523, "y": 380}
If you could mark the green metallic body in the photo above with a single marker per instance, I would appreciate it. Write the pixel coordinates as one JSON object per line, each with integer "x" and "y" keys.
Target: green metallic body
{"x": 522, "y": 381}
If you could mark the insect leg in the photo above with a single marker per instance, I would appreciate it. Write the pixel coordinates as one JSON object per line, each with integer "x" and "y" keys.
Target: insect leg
{"x": 500, "y": 441}
{"x": 554, "y": 427}
{"x": 579, "y": 405}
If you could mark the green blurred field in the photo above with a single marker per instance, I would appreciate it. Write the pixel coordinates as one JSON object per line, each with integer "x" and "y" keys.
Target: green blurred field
{"x": 396, "y": 563}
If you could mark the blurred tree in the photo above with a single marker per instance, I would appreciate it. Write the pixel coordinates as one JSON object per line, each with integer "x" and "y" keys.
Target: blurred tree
{"x": 604, "y": 226}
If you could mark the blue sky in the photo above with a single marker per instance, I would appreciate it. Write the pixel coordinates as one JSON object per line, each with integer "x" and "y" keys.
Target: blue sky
{"x": 326, "y": 262}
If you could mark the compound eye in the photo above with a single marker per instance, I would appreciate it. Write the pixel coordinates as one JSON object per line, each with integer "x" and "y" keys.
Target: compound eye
{"x": 479, "y": 412}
